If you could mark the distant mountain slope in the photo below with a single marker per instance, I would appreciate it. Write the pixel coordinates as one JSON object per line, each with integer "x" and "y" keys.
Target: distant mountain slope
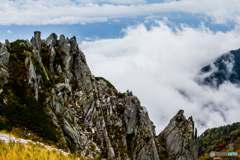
{"x": 211, "y": 138}
{"x": 224, "y": 68}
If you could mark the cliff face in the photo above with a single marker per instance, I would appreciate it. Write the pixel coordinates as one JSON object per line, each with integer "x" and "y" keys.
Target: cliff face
{"x": 48, "y": 89}
{"x": 179, "y": 138}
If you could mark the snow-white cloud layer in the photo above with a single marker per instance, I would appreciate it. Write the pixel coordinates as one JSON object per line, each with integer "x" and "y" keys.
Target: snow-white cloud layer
{"x": 159, "y": 65}
{"x": 112, "y": 1}
{"x": 44, "y": 12}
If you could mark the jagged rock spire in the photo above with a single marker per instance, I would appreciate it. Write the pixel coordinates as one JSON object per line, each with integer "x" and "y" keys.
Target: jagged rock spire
{"x": 179, "y": 139}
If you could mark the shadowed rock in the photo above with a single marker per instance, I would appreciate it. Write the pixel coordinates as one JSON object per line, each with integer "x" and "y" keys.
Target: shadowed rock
{"x": 179, "y": 139}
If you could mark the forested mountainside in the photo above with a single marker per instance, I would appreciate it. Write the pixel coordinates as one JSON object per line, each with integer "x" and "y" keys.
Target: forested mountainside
{"x": 49, "y": 94}
{"x": 211, "y": 138}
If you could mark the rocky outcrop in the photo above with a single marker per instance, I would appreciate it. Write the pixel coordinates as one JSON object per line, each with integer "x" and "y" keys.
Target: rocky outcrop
{"x": 37, "y": 45}
{"x": 179, "y": 138}
{"x": 51, "y": 40}
{"x": 88, "y": 114}
{"x": 4, "y": 62}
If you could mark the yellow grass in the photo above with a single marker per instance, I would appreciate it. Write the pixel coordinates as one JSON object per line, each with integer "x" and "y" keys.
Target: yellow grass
{"x": 20, "y": 133}
{"x": 18, "y": 151}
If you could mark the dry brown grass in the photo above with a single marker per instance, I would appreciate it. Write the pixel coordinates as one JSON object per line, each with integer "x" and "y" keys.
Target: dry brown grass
{"x": 18, "y": 151}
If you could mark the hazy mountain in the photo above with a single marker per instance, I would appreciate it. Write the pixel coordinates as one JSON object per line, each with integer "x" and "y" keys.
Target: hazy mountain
{"x": 224, "y": 68}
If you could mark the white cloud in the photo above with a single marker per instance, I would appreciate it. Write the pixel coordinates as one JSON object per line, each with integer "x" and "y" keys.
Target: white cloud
{"x": 87, "y": 38}
{"x": 160, "y": 63}
{"x": 146, "y": 21}
{"x": 112, "y": 1}
{"x": 116, "y": 20}
{"x": 8, "y": 31}
{"x": 43, "y": 12}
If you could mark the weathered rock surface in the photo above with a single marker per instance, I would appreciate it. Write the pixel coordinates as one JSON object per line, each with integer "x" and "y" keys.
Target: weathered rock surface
{"x": 51, "y": 40}
{"x": 179, "y": 138}
{"x": 89, "y": 113}
{"x": 4, "y": 62}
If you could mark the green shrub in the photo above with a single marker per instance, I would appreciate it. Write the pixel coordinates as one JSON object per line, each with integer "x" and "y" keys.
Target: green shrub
{"x": 39, "y": 70}
{"x": 121, "y": 95}
{"x": 18, "y": 49}
{"x": 58, "y": 60}
{"x": 70, "y": 146}
{"x": 22, "y": 109}
{"x": 120, "y": 109}
{"x": 5, "y": 125}
{"x": 97, "y": 158}
{"x": 108, "y": 83}
{"x": 48, "y": 84}
{"x": 45, "y": 54}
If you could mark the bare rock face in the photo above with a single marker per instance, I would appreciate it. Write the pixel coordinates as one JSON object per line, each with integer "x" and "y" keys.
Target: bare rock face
{"x": 8, "y": 45}
{"x": 179, "y": 139}
{"x": 89, "y": 115}
{"x": 4, "y": 55}
{"x": 36, "y": 40}
{"x": 37, "y": 45}
{"x": 4, "y": 62}
{"x": 51, "y": 40}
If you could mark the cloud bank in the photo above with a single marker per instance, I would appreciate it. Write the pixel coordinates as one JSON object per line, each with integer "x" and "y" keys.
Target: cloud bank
{"x": 45, "y": 12}
{"x": 160, "y": 66}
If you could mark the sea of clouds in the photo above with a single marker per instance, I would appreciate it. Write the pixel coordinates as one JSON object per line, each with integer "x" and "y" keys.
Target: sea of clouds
{"x": 161, "y": 66}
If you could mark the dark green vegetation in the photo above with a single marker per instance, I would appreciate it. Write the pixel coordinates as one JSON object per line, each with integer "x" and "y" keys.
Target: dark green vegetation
{"x": 46, "y": 59}
{"x": 18, "y": 49}
{"x": 224, "y": 73}
{"x": 18, "y": 106}
{"x": 108, "y": 83}
{"x": 39, "y": 70}
{"x": 211, "y": 138}
{"x": 58, "y": 60}
{"x": 121, "y": 95}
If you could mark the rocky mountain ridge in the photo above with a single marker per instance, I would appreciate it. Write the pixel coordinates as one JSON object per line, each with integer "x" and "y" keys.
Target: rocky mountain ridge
{"x": 48, "y": 89}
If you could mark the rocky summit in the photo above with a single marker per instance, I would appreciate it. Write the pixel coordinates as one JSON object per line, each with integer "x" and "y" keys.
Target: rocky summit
{"x": 49, "y": 94}
{"x": 179, "y": 138}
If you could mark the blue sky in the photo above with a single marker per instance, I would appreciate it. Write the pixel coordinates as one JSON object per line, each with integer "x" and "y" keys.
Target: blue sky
{"x": 22, "y": 17}
{"x": 153, "y": 47}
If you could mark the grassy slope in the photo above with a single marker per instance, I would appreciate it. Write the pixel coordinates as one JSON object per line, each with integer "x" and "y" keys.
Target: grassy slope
{"x": 16, "y": 151}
